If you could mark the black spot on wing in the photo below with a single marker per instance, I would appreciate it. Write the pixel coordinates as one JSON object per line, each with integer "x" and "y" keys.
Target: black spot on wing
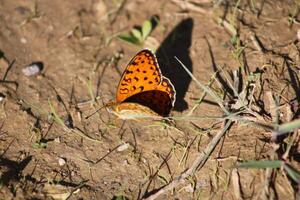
{"x": 124, "y": 91}
{"x": 134, "y": 63}
{"x": 133, "y": 88}
{"x": 127, "y": 80}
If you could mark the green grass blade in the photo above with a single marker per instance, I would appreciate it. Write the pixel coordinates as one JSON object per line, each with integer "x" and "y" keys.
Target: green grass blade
{"x": 261, "y": 164}
{"x": 56, "y": 117}
{"x": 137, "y": 34}
{"x": 293, "y": 173}
{"x": 288, "y": 127}
{"x": 128, "y": 38}
{"x": 146, "y": 29}
{"x": 89, "y": 86}
{"x": 120, "y": 197}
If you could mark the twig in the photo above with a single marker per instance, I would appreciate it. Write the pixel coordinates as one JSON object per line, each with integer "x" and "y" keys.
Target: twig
{"x": 8, "y": 69}
{"x": 198, "y": 163}
{"x": 82, "y": 184}
{"x": 257, "y": 43}
{"x": 235, "y": 177}
{"x": 185, "y": 5}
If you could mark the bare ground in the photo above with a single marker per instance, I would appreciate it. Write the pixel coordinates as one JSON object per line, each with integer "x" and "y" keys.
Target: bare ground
{"x": 82, "y": 64}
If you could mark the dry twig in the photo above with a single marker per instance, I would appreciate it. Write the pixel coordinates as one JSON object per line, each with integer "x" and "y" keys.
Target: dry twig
{"x": 198, "y": 163}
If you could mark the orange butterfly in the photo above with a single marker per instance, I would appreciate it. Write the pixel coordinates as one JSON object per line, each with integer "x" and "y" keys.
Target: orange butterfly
{"x": 142, "y": 91}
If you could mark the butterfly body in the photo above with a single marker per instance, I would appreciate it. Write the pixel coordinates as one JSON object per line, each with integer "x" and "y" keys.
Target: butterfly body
{"x": 142, "y": 91}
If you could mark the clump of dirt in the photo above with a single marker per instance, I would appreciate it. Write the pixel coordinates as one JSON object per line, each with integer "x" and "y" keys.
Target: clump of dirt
{"x": 245, "y": 53}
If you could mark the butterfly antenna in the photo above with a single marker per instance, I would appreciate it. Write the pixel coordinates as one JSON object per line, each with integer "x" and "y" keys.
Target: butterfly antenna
{"x": 95, "y": 112}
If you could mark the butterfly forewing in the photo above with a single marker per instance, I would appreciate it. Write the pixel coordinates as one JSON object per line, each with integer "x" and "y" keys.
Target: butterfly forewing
{"x": 141, "y": 74}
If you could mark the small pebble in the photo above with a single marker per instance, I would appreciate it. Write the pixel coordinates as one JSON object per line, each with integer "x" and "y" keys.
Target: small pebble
{"x": 2, "y": 96}
{"x": 23, "y": 41}
{"x": 125, "y": 162}
{"x": 33, "y": 69}
{"x": 61, "y": 161}
{"x": 123, "y": 147}
{"x": 69, "y": 122}
{"x": 189, "y": 188}
{"x": 76, "y": 191}
{"x": 57, "y": 139}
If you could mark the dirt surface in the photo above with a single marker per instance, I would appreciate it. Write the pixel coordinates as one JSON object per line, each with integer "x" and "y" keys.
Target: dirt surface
{"x": 102, "y": 157}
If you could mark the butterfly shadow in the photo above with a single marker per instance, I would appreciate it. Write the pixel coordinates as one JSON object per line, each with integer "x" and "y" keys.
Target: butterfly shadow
{"x": 177, "y": 43}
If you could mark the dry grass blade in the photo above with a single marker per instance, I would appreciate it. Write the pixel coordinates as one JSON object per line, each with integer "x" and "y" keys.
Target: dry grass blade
{"x": 197, "y": 164}
{"x": 236, "y": 184}
{"x": 212, "y": 79}
{"x": 205, "y": 88}
{"x": 185, "y": 5}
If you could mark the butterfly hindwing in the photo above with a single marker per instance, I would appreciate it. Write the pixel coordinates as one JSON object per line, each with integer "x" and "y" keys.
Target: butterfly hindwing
{"x": 167, "y": 86}
{"x": 160, "y": 100}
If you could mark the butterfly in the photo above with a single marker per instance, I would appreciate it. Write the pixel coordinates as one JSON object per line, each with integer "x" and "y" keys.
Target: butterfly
{"x": 143, "y": 92}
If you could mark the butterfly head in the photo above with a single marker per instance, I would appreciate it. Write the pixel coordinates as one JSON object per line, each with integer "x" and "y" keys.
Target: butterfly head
{"x": 111, "y": 106}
